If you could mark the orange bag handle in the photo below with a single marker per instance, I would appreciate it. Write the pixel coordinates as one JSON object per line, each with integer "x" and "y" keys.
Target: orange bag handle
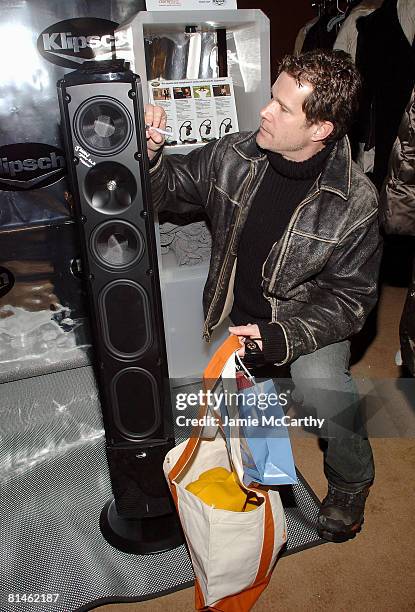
{"x": 210, "y": 377}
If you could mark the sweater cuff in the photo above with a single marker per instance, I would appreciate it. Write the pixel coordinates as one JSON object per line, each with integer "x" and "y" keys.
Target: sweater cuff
{"x": 153, "y": 162}
{"x": 274, "y": 345}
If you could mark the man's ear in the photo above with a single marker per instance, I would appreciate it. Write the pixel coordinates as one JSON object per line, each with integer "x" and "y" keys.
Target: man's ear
{"x": 322, "y": 129}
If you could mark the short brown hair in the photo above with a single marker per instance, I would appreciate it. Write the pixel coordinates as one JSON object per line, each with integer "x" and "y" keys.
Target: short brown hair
{"x": 336, "y": 84}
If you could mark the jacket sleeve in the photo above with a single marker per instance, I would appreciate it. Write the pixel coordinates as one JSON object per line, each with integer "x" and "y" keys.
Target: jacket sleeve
{"x": 181, "y": 183}
{"x": 342, "y": 295}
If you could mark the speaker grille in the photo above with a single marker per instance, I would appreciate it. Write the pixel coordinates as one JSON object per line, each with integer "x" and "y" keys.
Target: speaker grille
{"x": 103, "y": 125}
{"x": 136, "y": 403}
{"x": 125, "y": 316}
{"x": 117, "y": 244}
{"x": 110, "y": 188}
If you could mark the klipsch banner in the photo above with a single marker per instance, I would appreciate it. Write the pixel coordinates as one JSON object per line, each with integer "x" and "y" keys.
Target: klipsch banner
{"x": 42, "y": 314}
{"x": 40, "y": 41}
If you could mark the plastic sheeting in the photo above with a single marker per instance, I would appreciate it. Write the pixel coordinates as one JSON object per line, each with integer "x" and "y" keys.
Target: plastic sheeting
{"x": 54, "y": 483}
{"x": 43, "y": 325}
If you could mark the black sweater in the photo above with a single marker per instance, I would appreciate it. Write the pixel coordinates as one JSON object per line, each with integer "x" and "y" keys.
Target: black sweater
{"x": 283, "y": 187}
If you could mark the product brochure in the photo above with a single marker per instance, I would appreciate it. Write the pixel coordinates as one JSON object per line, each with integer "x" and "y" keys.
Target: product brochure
{"x": 190, "y": 5}
{"x": 197, "y": 110}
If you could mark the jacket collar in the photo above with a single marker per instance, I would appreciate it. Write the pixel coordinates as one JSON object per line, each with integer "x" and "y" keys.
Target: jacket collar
{"x": 337, "y": 173}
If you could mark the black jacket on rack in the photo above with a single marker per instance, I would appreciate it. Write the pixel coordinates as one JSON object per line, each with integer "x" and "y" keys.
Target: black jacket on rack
{"x": 386, "y": 61}
{"x": 318, "y": 37}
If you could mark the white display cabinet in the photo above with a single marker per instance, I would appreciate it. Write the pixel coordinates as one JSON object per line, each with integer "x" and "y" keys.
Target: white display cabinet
{"x": 248, "y": 64}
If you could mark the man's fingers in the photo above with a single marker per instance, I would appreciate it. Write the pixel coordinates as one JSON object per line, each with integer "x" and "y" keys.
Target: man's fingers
{"x": 154, "y": 137}
{"x": 250, "y": 331}
{"x": 246, "y": 331}
{"x": 155, "y": 116}
{"x": 148, "y": 114}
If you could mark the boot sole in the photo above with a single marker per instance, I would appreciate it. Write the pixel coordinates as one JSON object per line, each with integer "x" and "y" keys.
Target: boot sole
{"x": 338, "y": 538}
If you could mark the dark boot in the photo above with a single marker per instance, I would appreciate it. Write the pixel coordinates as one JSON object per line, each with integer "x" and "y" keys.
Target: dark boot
{"x": 341, "y": 514}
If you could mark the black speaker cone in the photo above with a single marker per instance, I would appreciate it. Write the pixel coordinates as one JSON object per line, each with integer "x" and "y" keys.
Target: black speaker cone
{"x": 117, "y": 244}
{"x": 110, "y": 188}
{"x": 103, "y": 126}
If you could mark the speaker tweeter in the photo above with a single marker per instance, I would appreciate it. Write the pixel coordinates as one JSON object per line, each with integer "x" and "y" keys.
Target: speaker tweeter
{"x": 110, "y": 188}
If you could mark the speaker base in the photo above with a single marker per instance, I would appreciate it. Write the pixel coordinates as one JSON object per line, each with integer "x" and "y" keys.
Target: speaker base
{"x": 144, "y": 536}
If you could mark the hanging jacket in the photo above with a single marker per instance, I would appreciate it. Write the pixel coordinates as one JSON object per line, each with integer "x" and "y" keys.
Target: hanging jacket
{"x": 386, "y": 61}
{"x": 302, "y": 33}
{"x": 398, "y": 216}
{"x": 398, "y": 193}
{"x": 318, "y": 37}
{"x": 347, "y": 37}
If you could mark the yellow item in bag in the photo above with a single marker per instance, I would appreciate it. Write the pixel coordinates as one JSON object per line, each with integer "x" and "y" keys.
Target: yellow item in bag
{"x": 218, "y": 487}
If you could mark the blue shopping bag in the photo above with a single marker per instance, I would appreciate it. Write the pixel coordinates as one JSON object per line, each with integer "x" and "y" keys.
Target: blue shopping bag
{"x": 256, "y": 420}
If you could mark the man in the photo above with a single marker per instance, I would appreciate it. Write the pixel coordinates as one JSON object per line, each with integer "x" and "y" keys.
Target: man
{"x": 295, "y": 253}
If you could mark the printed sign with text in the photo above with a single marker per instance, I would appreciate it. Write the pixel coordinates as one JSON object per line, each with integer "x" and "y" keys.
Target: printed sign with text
{"x": 190, "y": 5}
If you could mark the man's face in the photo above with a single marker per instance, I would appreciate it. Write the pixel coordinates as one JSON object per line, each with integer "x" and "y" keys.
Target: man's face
{"x": 283, "y": 127}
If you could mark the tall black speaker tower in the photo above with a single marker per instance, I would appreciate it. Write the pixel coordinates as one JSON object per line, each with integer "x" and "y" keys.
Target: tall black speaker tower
{"x": 103, "y": 128}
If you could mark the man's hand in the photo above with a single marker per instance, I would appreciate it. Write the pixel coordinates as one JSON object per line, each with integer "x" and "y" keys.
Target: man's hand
{"x": 154, "y": 117}
{"x": 246, "y": 331}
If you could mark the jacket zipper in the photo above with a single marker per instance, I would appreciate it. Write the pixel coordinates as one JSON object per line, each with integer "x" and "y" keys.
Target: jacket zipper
{"x": 273, "y": 302}
{"x": 206, "y": 333}
{"x": 287, "y": 236}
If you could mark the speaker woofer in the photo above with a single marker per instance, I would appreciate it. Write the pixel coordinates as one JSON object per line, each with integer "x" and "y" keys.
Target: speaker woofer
{"x": 110, "y": 188}
{"x": 136, "y": 401}
{"x": 124, "y": 311}
{"x": 103, "y": 125}
{"x": 117, "y": 244}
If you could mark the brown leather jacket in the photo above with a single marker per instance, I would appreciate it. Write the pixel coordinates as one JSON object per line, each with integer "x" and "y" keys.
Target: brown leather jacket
{"x": 320, "y": 278}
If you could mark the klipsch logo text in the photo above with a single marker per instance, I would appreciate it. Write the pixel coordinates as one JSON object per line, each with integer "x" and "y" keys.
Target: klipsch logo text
{"x": 30, "y": 165}
{"x": 69, "y": 43}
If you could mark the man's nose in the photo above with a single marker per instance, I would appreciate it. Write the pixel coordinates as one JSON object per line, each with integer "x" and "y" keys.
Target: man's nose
{"x": 266, "y": 111}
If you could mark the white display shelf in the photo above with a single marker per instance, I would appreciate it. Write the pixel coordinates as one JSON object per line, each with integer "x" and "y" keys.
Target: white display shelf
{"x": 248, "y": 56}
{"x": 182, "y": 149}
{"x": 171, "y": 271}
{"x": 181, "y": 292}
{"x": 248, "y": 64}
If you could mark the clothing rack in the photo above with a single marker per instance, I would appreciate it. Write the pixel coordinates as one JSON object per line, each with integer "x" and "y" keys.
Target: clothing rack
{"x": 328, "y": 6}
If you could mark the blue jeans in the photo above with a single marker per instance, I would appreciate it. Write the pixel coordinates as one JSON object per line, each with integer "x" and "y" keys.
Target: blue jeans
{"x": 325, "y": 389}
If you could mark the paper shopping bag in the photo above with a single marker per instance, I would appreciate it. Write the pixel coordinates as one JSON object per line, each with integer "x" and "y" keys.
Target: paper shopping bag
{"x": 252, "y": 414}
{"x": 265, "y": 447}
